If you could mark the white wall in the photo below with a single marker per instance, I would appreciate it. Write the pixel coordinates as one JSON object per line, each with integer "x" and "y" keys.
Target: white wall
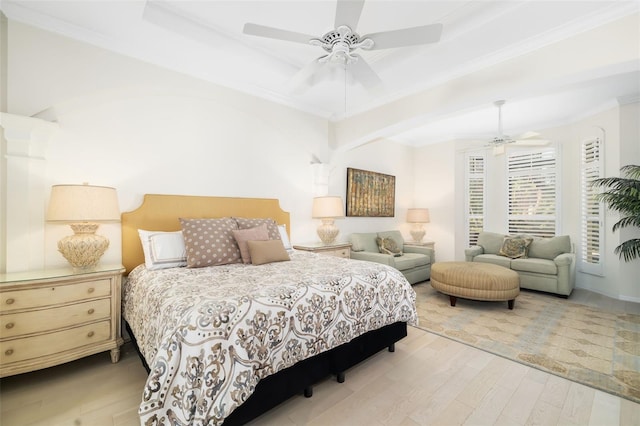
{"x": 143, "y": 129}
{"x": 380, "y": 156}
{"x": 435, "y": 189}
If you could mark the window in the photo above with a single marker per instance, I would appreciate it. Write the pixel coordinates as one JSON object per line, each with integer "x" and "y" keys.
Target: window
{"x": 474, "y": 203}
{"x": 592, "y": 231}
{"x": 532, "y": 187}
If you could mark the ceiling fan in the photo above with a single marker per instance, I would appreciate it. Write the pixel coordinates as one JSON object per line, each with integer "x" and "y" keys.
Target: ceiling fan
{"x": 342, "y": 43}
{"x": 500, "y": 140}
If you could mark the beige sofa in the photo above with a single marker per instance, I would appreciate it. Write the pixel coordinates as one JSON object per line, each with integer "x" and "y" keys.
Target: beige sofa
{"x": 549, "y": 265}
{"x": 414, "y": 263}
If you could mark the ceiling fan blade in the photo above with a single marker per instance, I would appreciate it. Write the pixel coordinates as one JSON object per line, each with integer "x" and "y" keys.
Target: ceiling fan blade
{"x": 300, "y": 81}
{"x": 276, "y": 33}
{"x": 532, "y": 142}
{"x": 348, "y": 13}
{"x": 406, "y": 37}
{"x": 365, "y": 74}
{"x": 528, "y": 135}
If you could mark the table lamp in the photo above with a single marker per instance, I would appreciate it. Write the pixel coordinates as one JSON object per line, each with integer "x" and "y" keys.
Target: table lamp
{"x": 327, "y": 209}
{"x": 83, "y": 207}
{"x": 417, "y": 217}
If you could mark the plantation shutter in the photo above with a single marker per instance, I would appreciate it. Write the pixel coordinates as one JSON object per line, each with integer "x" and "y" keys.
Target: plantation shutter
{"x": 532, "y": 194}
{"x": 474, "y": 206}
{"x": 592, "y": 224}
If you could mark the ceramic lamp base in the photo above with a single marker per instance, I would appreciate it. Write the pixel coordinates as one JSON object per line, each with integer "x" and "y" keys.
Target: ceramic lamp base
{"x": 84, "y": 248}
{"x": 417, "y": 233}
{"x": 328, "y": 231}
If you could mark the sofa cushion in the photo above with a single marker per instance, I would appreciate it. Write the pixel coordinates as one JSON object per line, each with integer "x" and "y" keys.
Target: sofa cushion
{"x": 491, "y": 242}
{"x": 364, "y": 242}
{"x": 540, "y": 266}
{"x": 515, "y": 247}
{"x": 411, "y": 260}
{"x": 549, "y": 248}
{"x": 493, "y": 258}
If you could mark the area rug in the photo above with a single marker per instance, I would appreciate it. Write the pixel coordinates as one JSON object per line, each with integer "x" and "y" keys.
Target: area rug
{"x": 591, "y": 346}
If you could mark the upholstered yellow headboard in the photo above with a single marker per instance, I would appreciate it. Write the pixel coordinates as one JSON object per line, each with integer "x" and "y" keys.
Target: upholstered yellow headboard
{"x": 161, "y": 213}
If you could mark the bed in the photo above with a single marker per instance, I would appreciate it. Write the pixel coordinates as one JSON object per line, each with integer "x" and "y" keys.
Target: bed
{"x": 224, "y": 344}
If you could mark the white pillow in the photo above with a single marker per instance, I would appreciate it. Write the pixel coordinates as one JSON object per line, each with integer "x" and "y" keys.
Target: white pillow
{"x": 284, "y": 237}
{"x": 163, "y": 249}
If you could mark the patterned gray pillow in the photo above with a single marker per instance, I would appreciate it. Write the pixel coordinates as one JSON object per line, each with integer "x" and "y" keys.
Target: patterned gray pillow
{"x": 388, "y": 246}
{"x": 515, "y": 247}
{"x": 210, "y": 242}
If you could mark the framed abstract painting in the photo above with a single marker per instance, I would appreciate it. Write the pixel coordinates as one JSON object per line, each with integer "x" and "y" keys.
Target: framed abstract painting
{"x": 370, "y": 194}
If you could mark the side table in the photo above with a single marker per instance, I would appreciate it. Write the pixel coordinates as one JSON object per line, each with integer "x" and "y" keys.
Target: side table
{"x": 334, "y": 249}
{"x": 49, "y": 317}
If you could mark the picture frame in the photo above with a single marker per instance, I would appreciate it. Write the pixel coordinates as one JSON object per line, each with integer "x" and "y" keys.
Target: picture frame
{"x": 370, "y": 194}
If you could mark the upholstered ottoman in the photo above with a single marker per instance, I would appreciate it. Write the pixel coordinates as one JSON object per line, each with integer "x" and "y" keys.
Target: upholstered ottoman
{"x": 475, "y": 280}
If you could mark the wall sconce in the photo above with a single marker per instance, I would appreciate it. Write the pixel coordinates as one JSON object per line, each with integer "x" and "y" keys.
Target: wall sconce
{"x": 327, "y": 209}
{"x": 83, "y": 206}
{"x": 417, "y": 217}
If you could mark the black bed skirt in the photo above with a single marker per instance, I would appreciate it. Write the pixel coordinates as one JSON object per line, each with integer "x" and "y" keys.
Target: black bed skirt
{"x": 294, "y": 380}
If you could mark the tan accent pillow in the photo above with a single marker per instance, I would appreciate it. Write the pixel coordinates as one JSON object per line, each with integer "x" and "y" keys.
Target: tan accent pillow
{"x": 242, "y": 236}
{"x": 210, "y": 242}
{"x": 272, "y": 226}
{"x": 267, "y": 251}
{"x": 515, "y": 247}
{"x": 388, "y": 246}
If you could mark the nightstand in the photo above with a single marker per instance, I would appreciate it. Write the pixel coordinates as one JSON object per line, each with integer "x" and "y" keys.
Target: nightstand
{"x": 428, "y": 244}
{"x": 49, "y": 317}
{"x": 335, "y": 249}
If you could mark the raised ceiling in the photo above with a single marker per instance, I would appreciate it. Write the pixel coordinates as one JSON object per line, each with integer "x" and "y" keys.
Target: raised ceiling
{"x": 204, "y": 39}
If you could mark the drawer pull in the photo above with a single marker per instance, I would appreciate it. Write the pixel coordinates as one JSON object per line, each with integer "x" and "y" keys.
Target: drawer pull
{"x": 90, "y": 311}
{"x": 8, "y": 352}
{"x": 90, "y": 334}
{"x": 9, "y": 325}
{"x": 91, "y": 290}
{"x": 10, "y": 301}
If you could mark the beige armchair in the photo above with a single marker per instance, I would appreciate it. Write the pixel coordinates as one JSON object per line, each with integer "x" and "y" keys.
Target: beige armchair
{"x": 414, "y": 263}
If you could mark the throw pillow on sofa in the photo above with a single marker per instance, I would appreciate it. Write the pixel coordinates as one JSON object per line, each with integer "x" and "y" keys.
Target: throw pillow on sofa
{"x": 515, "y": 247}
{"x": 388, "y": 246}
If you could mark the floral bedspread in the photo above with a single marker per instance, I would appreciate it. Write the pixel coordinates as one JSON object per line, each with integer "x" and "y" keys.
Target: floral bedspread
{"x": 210, "y": 334}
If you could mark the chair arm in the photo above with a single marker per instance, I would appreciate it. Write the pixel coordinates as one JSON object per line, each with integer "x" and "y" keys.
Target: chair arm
{"x": 564, "y": 259}
{"x": 566, "y": 263}
{"x": 373, "y": 257}
{"x": 421, "y": 250}
{"x": 471, "y": 252}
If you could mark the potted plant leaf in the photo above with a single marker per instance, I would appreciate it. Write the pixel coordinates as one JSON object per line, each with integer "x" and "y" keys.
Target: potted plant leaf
{"x": 622, "y": 194}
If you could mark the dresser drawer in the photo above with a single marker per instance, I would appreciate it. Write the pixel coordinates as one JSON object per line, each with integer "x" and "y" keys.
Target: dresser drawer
{"x": 338, "y": 253}
{"x": 50, "y": 319}
{"x": 46, "y": 344}
{"x": 346, "y": 253}
{"x": 53, "y": 295}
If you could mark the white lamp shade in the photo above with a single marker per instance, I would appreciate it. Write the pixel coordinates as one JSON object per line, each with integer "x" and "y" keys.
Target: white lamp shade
{"x": 83, "y": 203}
{"x": 418, "y": 215}
{"x": 327, "y": 207}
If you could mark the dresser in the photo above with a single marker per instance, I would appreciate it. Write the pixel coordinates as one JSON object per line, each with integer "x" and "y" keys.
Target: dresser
{"x": 49, "y": 317}
{"x": 334, "y": 249}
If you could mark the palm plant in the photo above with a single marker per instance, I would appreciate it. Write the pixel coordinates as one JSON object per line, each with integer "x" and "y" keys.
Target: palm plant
{"x": 623, "y": 195}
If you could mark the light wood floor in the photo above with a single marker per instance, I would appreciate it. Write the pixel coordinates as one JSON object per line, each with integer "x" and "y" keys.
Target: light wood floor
{"x": 429, "y": 380}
